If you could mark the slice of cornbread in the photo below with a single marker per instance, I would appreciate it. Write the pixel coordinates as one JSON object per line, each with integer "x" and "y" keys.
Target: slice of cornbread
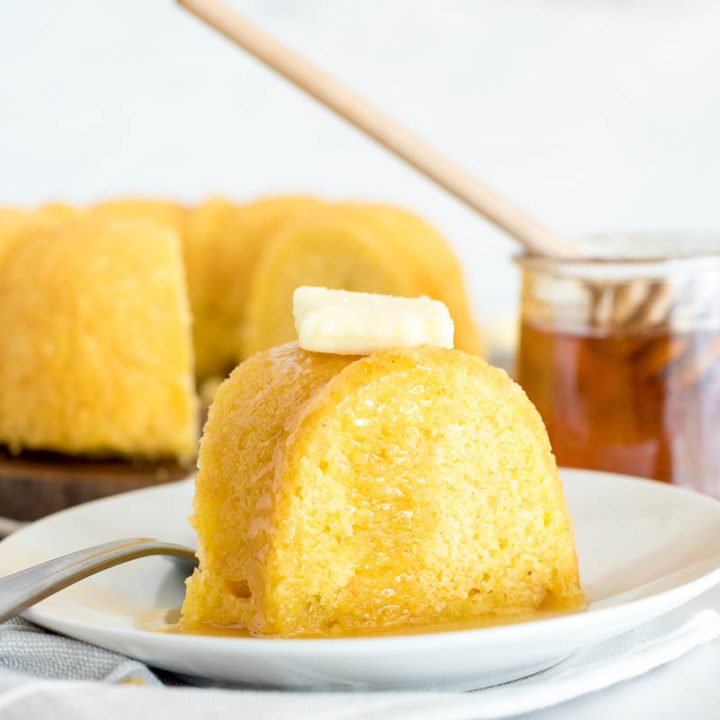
{"x": 97, "y": 355}
{"x": 342, "y": 495}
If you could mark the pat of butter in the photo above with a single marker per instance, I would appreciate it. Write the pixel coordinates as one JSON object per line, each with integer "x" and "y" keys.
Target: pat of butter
{"x": 355, "y": 323}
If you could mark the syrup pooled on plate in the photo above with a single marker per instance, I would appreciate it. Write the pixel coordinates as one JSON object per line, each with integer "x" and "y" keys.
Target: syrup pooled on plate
{"x": 168, "y": 620}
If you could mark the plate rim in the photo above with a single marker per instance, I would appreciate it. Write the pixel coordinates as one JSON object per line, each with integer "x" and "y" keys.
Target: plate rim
{"x": 657, "y": 603}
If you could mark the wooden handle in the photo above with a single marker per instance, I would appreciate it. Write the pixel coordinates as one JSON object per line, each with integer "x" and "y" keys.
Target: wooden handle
{"x": 534, "y": 237}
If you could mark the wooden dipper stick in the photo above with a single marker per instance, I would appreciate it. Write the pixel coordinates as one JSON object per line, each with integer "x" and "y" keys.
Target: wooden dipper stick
{"x": 535, "y": 238}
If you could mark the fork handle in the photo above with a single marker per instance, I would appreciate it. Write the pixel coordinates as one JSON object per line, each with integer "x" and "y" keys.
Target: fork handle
{"x": 25, "y": 588}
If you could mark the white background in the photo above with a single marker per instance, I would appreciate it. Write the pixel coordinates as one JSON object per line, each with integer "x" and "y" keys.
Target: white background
{"x": 596, "y": 115}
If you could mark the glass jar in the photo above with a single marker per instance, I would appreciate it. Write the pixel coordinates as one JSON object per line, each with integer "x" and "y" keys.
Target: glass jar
{"x": 621, "y": 355}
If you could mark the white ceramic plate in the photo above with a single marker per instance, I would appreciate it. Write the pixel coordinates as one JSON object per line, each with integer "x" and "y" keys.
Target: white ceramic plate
{"x": 644, "y": 549}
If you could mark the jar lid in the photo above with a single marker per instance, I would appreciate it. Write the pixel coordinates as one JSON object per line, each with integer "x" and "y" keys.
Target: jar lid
{"x": 622, "y": 256}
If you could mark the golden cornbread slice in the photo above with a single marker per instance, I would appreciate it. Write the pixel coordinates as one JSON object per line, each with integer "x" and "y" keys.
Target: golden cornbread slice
{"x": 341, "y": 495}
{"x": 421, "y": 246}
{"x": 326, "y": 248}
{"x": 222, "y": 245}
{"x": 97, "y": 355}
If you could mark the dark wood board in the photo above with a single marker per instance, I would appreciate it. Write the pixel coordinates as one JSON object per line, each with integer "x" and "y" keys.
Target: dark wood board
{"x": 36, "y": 484}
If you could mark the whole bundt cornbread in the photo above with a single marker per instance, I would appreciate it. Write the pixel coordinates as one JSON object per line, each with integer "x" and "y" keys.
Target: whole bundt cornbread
{"x": 242, "y": 262}
{"x": 339, "y": 495}
{"x": 97, "y": 355}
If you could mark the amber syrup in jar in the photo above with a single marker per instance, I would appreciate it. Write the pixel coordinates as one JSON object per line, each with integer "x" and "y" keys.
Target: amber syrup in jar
{"x": 620, "y": 353}
{"x": 643, "y": 404}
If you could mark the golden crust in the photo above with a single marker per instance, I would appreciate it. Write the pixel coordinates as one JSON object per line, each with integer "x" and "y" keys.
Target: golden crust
{"x": 253, "y": 409}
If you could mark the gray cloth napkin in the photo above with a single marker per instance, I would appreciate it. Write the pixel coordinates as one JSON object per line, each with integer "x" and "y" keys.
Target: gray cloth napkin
{"x": 47, "y": 675}
{"x": 28, "y": 649}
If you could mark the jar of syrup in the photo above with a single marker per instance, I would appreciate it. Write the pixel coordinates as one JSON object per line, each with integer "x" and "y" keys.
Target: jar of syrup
{"x": 621, "y": 356}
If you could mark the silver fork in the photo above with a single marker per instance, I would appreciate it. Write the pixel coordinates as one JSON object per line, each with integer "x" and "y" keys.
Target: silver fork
{"x": 27, "y": 587}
